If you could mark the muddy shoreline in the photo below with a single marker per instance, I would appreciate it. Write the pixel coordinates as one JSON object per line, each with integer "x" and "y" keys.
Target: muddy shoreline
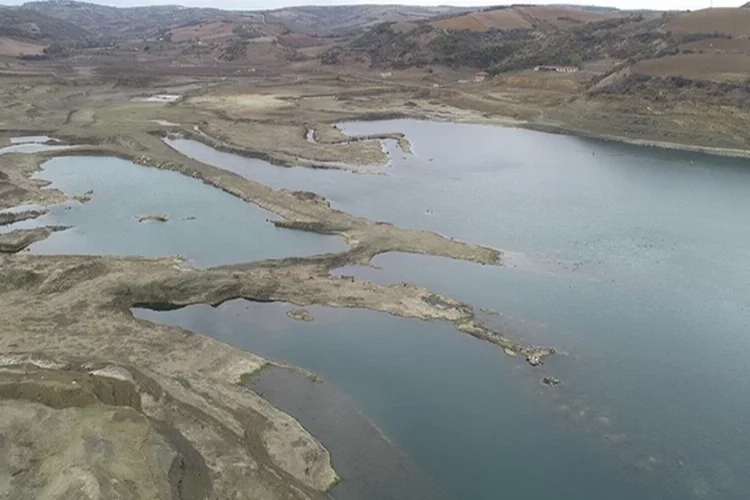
{"x": 651, "y": 143}
{"x": 556, "y": 128}
{"x": 384, "y": 472}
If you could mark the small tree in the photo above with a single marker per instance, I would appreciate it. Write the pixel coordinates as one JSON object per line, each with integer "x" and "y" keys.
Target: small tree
{"x": 576, "y": 60}
{"x": 56, "y": 49}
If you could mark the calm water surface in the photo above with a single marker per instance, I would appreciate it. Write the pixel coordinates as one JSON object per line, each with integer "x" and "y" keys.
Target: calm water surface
{"x": 467, "y": 414}
{"x": 206, "y": 226}
{"x": 633, "y": 261}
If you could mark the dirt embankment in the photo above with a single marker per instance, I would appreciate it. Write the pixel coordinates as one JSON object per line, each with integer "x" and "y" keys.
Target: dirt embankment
{"x": 8, "y": 218}
{"x": 160, "y": 412}
{"x": 20, "y": 239}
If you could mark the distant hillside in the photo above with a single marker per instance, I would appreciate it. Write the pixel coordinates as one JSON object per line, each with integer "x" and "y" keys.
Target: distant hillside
{"x": 703, "y": 55}
{"x": 523, "y": 45}
{"x": 735, "y": 22}
{"x": 108, "y": 21}
{"x": 588, "y": 8}
{"x": 399, "y": 46}
{"x": 105, "y": 21}
{"x": 348, "y": 18}
{"x": 26, "y": 24}
{"x": 541, "y": 18}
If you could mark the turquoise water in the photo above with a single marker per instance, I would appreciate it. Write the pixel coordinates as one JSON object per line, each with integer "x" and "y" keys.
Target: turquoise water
{"x": 205, "y": 225}
{"x": 632, "y": 260}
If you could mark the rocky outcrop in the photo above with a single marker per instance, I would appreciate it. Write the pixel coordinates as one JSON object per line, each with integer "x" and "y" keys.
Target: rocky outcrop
{"x": 300, "y": 314}
{"x": 85, "y": 435}
{"x": 8, "y": 218}
{"x": 85, "y": 197}
{"x": 20, "y": 239}
{"x": 153, "y": 217}
{"x": 125, "y": 387}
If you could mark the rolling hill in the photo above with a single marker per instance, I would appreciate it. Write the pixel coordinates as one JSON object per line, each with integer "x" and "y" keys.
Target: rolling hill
{"x": 26, "y": 24}
{"x": 523, "y": 37}
{"x": 346, "y": 19}
{"x": 118, "y": 22}
{"x": 734, "y": 22}
{"x": 540, "y": 18}
{"x": 115, "y": 22}
{"x": 541, "y": 39}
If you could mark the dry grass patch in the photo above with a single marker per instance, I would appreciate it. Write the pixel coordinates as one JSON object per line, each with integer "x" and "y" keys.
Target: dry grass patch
{"x": 727, "y": 44}
{"x": 483, "y": 21}
{"x": 241, "y": 105}
{"x": 718, "y": 67}
{"x": 735, "y": 22}
{"x": 15, "y": 48}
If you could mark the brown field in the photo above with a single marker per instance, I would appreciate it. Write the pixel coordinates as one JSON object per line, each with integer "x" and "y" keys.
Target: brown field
{"x": 735, "y": 22}
{"x": 533, "y": 80}
{"x": 301, "y": 40}
{"x": 222, "y": 29}
{"x": 716, "y": 67}
{"x": 727, "y": 44}
{"x": 483, "y": 21}
{"x": 526, "y": 17}
{"x": 211, "y": 31}
{"x": 572, "y": 16}
{"x": 15, "y": 48}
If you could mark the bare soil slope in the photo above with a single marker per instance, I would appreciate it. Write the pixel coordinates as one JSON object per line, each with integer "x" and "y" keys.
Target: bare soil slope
{"x": 713, "y": 66}
{"x": 483, "y": 21}
{"x": 341, "y": 19}
{"x": 544, "y": 18}
{"x": 16, "y": 48}
{"x": 735, "y": 22}
{"x": 29, "y": 24}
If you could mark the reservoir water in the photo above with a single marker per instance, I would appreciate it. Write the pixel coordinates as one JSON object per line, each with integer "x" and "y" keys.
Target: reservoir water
{"x": 462, "y": 410}
{"x": 205, "y": 225}
{"x": 634, "y": 263}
